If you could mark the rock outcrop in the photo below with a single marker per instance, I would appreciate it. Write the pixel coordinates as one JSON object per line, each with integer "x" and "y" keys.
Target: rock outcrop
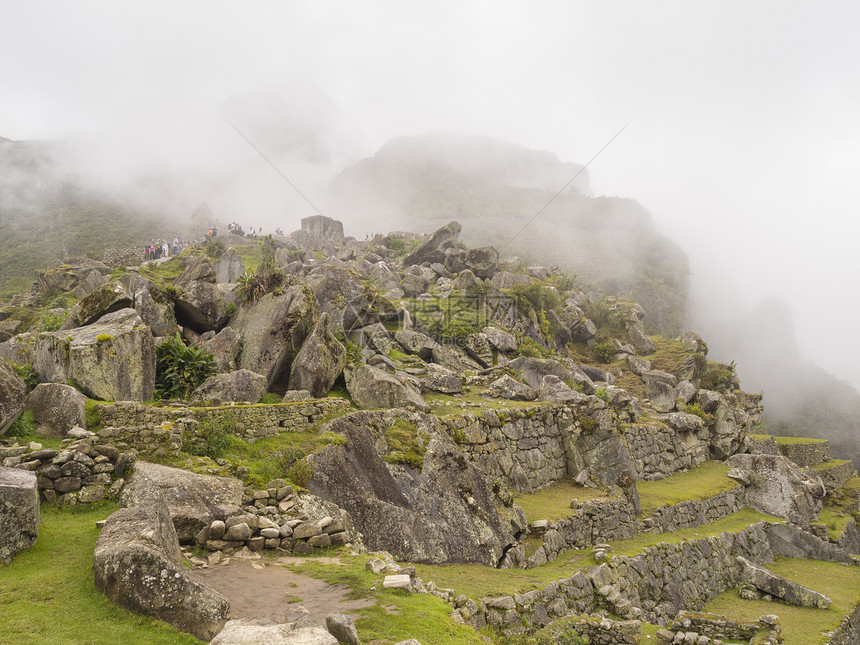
{"x": 272, "y": 332}
{"x": 137, "y": 564}
{"x": 410, "y": 491}
{"x": 192, "y": 500}
{"x": 778, "y": 487}
{"x": 12, "y": 396}
{"x": 19, "y": 512}
{"x": 240, "y": 385}
{"x": 113, "y": 359}
{"x": 370, "y": 387}
{"x": 57, "y": 408}
{"x": 319, "y": 362}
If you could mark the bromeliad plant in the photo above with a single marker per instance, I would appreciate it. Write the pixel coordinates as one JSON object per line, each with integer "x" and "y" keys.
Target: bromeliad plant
{"x": 180, "y": 368}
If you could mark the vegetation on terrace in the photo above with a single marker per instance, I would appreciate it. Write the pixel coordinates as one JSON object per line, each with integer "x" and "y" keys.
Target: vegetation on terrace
{"x": 800, "y": 625}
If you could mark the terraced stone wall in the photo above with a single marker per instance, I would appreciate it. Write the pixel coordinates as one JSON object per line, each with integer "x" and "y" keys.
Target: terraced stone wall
{"x": 848, "y": 632}
{"x": 692, "y": 513}
{"x": 160, "y": 431}
{"x": 659, "y": 451}
{"x": 527, "y": 449}
{"x": 654, "y": 586}
{"x": 807, "y": 454}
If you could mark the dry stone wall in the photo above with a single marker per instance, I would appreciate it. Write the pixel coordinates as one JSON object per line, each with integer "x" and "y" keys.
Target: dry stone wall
{"x": 807, "y": 454}
{"x": 83, "y": 471}
{"x": 160, "y": 431}
{"x": 658, "y": 451}
{"x": 527, "y": 449}
{"x": 706, "y": 628}
{"x": 654, "y": 586}
{"x": 692, "y": 513}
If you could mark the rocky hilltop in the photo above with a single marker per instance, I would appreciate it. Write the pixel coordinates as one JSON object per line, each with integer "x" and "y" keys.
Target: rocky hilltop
{"x": 425, "y": 409}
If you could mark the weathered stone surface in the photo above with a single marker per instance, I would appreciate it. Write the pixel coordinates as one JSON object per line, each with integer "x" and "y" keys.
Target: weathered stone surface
{"x": 692, "y": 342}
{"x": 478, "y": 348}
{"x": 153, "y": 307}
{"x": 414, "y": 342}
{"x": 137, "y": 564}
{"x": 201, "y": 304}
{"x": 442, "y": 511}
{"x": 532, "y": 370}
{"x": 319, "y": 362}
{"x": 778, "y": 487}
{"x": 640, "y": 341}
{"x": 553, "y": 389}
{"x": 660, "y": 389}
{"x": 241, "y": 385}
{"x": 104, "y": 300}
{"x": 790, "y": 541}
{"x": 342, "y": 628}
{"x": 370, "y": 387}
{"x": 57, "y": 408}
{"x": 273, "y": 331}
{"x": 13, "y": 391}
{"x": 113, "y": 359}
{"x": 482, "y": 262}
{"x": 272, "y": 631}
{"x": 435, "y": 249}
{"x": 225, "y": 346}
{"x": 229, "y": 266}
{"x": 19, "y": 512}
{"x": 193, "y": 500}
{"x": 777, "y": 586}
{"x": 506, "y": 387}
{"x": 500, "y": 339}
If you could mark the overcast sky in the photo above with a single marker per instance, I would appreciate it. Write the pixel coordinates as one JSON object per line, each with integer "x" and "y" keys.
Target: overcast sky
{"x": 744, "y": 141}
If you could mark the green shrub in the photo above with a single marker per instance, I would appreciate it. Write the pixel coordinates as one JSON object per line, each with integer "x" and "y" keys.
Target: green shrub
{"x": 27, "y": 374}
{"x": 231, "y": 309}
{"x": 300, "y": 473}
{"x": 396, "y": 244}
{"x": 213, "y": 437}
{"x": 101, "y": 338}
{"x": 266, "y": 279}
{"x": 180, "y": 368}
{"x": 51, "y": 321}
{"x": 528, "y": 346}
{"x": 604, "y": 351}
{"x": 25, "y": 426}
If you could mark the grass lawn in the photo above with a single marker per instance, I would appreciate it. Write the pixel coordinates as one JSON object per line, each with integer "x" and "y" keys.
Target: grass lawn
{"x": 48, "y": 597}
{"x": 824, "y": 465}
{"x": 553, "y": 503}
{"x": 397, "y": 615}
{"x": 800, "y": 625}
{"x": 703, "y": 481}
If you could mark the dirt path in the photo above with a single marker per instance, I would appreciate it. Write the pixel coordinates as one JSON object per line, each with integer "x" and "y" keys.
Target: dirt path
{"x": 274, "y": 589}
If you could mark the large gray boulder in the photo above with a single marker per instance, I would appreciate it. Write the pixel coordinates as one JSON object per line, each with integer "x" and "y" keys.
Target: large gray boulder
{"x": 57, "y": 408}
{"x": 779, "y": 587}
{"x": 193, "y": 500}
{"x": 442, "y": 243}
{"x": 370, "y": 387}
{"x": 554, "y": 390}
{"x": 532, "y": 370}
{"x": 482, "y": 262}
{"x": 778, "y": 487}
{"x": 13, "y": 392}
{"x": 506, "y": 387}
{"x": 113, "y": 359}
{"x": 229, "y": 266}
{"x": 201, "y": 304}
{"x": 19, "y": 511}
{"x": 153, "y": 305}
{"x": 103, "y": 300}
{"x": 438, "y": 508}
{"x": 138, "y": 565}
{"x": 241, "y": 385}
{"x": 500, "y": 339}
{"x": 660, "y": 389}
{"x": 319, "y": 362}
{"x": 225, "y": 347}
{"x": 272, "y": 332}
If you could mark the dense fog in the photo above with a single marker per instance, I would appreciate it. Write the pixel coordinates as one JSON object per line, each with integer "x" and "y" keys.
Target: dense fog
{"x": 743, "y": 143}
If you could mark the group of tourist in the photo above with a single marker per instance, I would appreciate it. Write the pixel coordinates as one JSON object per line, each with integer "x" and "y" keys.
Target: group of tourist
{"x": 163, "y": 248}
{"x": 235, "y": 229}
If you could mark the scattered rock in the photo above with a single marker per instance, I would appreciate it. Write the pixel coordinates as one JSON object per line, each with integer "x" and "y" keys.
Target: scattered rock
{"x": 19, "y": 512}
{"x": 241, "y": 385}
